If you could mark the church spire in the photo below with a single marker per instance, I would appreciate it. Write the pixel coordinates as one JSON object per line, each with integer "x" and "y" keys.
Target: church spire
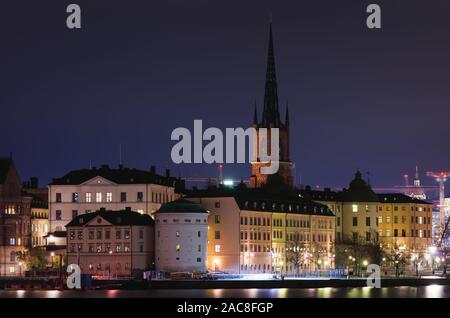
{"x": 271, "y": 115}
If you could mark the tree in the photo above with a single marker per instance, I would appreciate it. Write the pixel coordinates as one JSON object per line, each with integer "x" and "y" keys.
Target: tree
{"x": 398, "y": 258}
{"x": 296, "y": 254}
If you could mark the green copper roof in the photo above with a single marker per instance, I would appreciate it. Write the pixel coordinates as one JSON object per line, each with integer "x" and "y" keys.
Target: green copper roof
{"x": 181, "y": 206}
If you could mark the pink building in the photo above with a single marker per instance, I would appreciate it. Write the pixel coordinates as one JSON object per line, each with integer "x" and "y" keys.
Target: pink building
{"x": 111, "y": 243}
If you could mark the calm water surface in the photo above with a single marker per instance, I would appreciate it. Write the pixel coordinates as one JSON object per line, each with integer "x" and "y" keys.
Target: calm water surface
{"x": 432, "y": 291}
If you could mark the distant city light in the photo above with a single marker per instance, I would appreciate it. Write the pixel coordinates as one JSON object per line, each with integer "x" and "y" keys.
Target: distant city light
{"x": 228, "y": 183}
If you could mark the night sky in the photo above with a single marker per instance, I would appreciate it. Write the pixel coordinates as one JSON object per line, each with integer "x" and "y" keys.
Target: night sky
{"x": 374, "y": 99}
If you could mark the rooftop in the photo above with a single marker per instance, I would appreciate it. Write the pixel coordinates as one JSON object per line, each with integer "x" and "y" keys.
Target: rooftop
{"x": 122, "y": 217}
{"x": 121, "y": 175}
{"x": 181, "y": 206}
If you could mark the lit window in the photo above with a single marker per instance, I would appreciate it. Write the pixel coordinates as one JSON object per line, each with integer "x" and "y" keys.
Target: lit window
{"x": 355, "y": 208}
{"x": 108, "y": 197}
{"x": 217, "y": 219}
{"x": 98, "y": 197}
{"x": 177, "y": 247}
{"x": 177, "y": 233}
{"x": 380, "y": 219}
{"x": 12, "y": 269}
{"x": 12, "y": 241}
{"x": 75, "y": 197}
{"x": 217, "y": 248}
{"x": 388, "y": 219}
{"x": 420, "y": 233}
{"x": 88, "y": 197}
{"x": 420, "y": 221}
{"x": 367, "y": 208}
{"x": 388, "y": 233}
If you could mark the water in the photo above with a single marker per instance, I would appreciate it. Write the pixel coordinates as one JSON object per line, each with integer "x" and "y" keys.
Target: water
{"x": 431, "y": 291}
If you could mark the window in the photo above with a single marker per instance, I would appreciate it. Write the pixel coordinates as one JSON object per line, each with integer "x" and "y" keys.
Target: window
{"x": 12, "y": 256}
{"x": 12, "y": 269}
{"x": 395, "y": 232}
{"x": 118, "y": 234}
{"x": 91, "y": 248}
{"x": 217, "y": 204}
{"x": 420, "y": 233}
{"x": 72, "y": 235}
{"x": 75, "y": 197}
{"x": 123, "y": 197}
{"x": 199, "y": 248}
{"x": 99, "y": 248}
{"x": 127, "y": 234}
{"x": 140, "y": 197}
{"x": 198, "y": 234}
{"x": 217, "y": 219}
{"x": 380, "y": 220}
{"x": 217, "y": 248}
{"x": 355, "y": 236}
{"x": 388, "y": 233}
{"x": 368, "y": 236}
{"x": 58, "y": 197}
{"x": 98, "y": 197}
{"x": 109, "y": 197}
{"x": 367, "y": 221}
{"x": 199, "y": 259}
{"x": 217, "y": 235}
{"x": 91, "y": 235}
{"x": 403, "y": 233}
{"x": 420, "y": 220}
{"x": 88, "y": 197}
{"x": 367, "y": 208}
{"x": 126, "y": 247}
{"x": 99, "y": 235}
{"x": 107, "y": 235}
{"x": 177, "y": 233}
{"x": 141, "y": 234}
{"x": 388, "y": 220}
{"x": 74, "y": 214}
{"x": 58, "y": 215}
{"x": 355, "y": 208}
{"x": 118, "y": 248}
{"x": 355, "y": 221}
{"x": 338, "y": 221}
{"x": 177, "y": 247}
{"x": 395, "y": 219}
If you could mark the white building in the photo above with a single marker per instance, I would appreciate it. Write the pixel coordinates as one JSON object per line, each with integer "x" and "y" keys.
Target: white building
{"x": 89, "y": 190}
{"x": 181, "y": 237}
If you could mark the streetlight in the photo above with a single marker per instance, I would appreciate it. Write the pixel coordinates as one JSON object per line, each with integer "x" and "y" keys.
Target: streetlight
{"x": 20, "y": 269}
{"x": 110, "y": 264}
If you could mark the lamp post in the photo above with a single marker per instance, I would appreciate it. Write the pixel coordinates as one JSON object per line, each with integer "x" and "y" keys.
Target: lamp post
{"x": 20, "y": 269}
{"x": 110, "y": 264}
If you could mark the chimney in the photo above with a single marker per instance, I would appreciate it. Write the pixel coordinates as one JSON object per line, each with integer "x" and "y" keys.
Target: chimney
{"x": 34, "y": 182}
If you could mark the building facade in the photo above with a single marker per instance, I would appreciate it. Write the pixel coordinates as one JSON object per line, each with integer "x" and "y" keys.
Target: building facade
{"x": 254, "y": 232}
{"x": 394, "y": 220}
{"x": 111, "y": 243}
{"x": 181, "y": 236}
{"x": 39, "y": 222}
{"x": 271, "y": 119}
{"x": 84, "y": 191}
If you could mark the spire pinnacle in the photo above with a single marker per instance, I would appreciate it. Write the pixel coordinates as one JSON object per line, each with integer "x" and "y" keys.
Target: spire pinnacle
{"x": 271, "y": 115}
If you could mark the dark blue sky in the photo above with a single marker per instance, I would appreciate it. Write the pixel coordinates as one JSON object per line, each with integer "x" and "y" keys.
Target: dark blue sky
{"x": 378, "y": 100}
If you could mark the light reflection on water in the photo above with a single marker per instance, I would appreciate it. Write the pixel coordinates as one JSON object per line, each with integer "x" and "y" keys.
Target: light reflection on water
{"x": 431, "y": 291}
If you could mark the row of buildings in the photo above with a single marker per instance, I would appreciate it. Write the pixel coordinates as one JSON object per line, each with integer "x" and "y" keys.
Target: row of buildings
{"x": 121, "y": 220}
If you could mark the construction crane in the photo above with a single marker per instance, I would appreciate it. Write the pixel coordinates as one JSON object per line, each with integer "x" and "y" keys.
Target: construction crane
{"x": 441, "y": 178}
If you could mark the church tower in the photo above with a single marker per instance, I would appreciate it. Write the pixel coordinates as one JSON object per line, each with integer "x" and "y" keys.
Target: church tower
{"x": 271, "y": 119}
